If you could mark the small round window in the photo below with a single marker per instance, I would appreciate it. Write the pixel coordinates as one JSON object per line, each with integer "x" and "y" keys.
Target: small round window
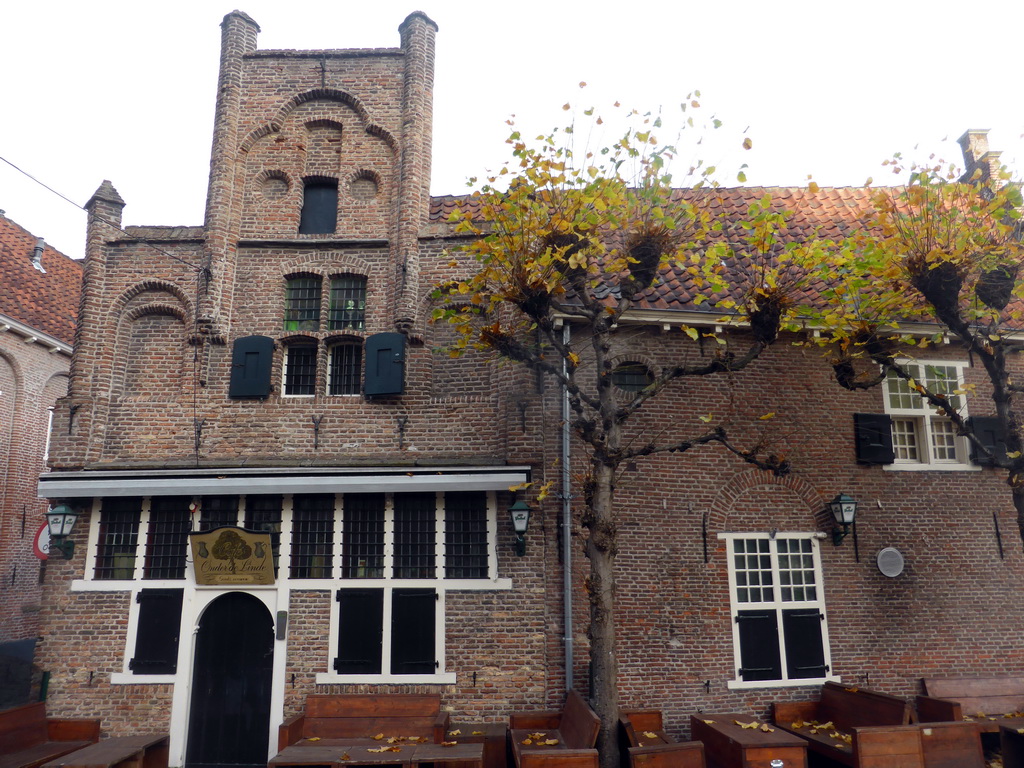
{"x": 632, "y": 377}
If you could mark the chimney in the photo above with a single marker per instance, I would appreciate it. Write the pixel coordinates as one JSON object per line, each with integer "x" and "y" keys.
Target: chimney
{"x": 980, "y": 165}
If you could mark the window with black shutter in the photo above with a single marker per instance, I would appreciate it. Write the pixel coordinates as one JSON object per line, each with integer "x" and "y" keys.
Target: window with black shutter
{"x": 778, "y": 609}
{"x": 413, "y": 651}
{"x": 991, "y": 433}
{"x": 759, "y": 645}
{"x": 360, "y": 635}
{"x": 157, "y": 631}
{"x": 873, "y": 434}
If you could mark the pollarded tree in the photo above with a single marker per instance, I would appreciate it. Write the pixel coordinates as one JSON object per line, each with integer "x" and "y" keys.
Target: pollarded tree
{"x": 939, "y": 260}
{"x": 578, "y": 239}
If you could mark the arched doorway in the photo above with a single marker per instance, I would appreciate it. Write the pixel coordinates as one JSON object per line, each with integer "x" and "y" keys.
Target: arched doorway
{"x": 229, "y": 717}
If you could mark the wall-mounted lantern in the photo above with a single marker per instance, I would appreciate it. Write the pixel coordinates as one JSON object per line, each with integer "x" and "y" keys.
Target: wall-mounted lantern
{"x": 520, "y": 514}
{"x": 844, "y": 510}
{"x": 61, "y": 520}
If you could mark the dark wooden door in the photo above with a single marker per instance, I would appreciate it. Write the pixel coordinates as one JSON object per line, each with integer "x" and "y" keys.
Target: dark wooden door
{"x": 229, "y": 720}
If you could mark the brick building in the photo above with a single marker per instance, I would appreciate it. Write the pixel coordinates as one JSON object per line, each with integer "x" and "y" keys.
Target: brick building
{"x": 274, "y": 369}
{"x": 39, "y": 293}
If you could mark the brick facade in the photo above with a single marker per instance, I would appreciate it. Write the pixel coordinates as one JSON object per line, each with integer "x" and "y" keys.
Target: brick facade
{"x": 149, "y": 416}
{"x": 37, "y": 310}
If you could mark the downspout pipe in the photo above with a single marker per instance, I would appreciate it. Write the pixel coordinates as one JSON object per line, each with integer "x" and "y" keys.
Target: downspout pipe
{"x": 566, "y": 524}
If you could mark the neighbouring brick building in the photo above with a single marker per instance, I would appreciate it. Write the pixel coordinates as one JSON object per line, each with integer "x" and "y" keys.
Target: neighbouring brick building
{"x": 39, "y": 293}
{"x": 274, "y": 369}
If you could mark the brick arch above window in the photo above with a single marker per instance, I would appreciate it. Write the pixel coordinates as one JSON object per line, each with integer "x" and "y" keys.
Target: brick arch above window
{"x": 802, "y": 493}
{"x": 325, "y": 264}
{"x": 154, "y": 293}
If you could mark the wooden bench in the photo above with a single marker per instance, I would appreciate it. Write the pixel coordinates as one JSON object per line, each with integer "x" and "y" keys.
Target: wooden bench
{"x": 952, "y": 745}
{"x": 140, "y": 751}
{"x": 646, "y": 745}
{"x": 563, "y": 739}
{"x": 28, "y": 738}
{"x": 868, "y": 729}
{"x": 357, "y": 718}
{"x": 988, "y": 701}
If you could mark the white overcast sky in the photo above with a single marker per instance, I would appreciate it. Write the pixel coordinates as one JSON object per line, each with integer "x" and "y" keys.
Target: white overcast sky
{"x": 125, "y": 90}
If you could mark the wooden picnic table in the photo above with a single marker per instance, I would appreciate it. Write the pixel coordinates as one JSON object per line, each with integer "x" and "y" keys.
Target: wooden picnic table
{"x": 341, "y": 752}
{"x": 137, "y": 751}
{"x": 728, "y": 745}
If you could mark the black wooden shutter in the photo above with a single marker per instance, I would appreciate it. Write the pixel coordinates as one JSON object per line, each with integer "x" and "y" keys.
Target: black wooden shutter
{"x": 805, "y": 654}
{"x": 413, "y": 614}
{"x": 360, "y": 631}
{"x": 251, "y": 357}
{"x": 385, "y": 364}
{"x": 759, "y": 645}
{"x": 874, "y": 438}
{"x": 989, "y": 430}
{"x": 156, "y": 636}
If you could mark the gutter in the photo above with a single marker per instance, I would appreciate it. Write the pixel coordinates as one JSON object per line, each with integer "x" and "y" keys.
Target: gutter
{"x": 566, "y": 527}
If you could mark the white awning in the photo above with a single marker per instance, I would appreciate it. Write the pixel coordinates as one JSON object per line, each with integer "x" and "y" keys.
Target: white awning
{"x": 267, "y": 480}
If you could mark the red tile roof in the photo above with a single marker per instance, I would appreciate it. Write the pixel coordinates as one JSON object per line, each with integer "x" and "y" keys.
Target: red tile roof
{"x": 46, "y": 302}
{"x": 829, "y": 212}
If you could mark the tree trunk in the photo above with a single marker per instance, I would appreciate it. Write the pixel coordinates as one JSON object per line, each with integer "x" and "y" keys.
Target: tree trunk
{"x": 601, "y": 551}
{"x": 1016, "y": 483}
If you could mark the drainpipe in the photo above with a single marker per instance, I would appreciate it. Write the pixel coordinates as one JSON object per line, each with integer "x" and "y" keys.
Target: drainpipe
{"x": 566, "y": 525}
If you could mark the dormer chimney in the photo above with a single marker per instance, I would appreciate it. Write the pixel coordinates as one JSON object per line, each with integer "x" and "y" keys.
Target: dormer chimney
{"x": 980, "y": 164}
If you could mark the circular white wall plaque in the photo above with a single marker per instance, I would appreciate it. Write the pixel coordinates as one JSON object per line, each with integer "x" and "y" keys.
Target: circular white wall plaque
{"x": 890, "y": 562}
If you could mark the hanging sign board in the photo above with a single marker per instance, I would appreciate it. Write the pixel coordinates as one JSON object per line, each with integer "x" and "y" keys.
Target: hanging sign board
{"x": 232, "y": 556}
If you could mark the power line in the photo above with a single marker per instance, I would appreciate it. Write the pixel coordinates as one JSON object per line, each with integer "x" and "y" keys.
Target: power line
{"x": 110, "y": 224}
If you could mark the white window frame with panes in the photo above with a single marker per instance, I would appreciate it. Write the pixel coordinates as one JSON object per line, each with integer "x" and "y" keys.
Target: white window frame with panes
{"x": 114, "y": 569}
{"x": 922, "y": 437}
{"x": 776, "y": 576}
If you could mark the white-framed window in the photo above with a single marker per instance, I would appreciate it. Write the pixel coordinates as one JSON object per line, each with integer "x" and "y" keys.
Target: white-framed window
{"x": 344, "y": 368}
{"x": 779, "y": 623}
{"x": 300, "y": 369}
{"x": 921, "y": 436}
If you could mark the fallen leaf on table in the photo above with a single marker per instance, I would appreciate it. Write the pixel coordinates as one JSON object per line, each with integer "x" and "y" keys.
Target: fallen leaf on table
{"x": 313, "y": 738}
{"x": 379, "y": 736}
{"x": 537, "y": 736}
{"x": 478, "y": 733}
{"x": 650, "y": 735}
{"x": 747, "y": 726}
{"x": 1020, "y": 730}
{"x": 375, "y": 749}
{"x": 449, "y": 743}
{"x": 527, "y": 742}
{"x": 709, "y": 722}
{"x": 345, "y": 756}
{"x": 767, "y": 728}
{"x": 550, "y": 742}
{"x": 456, "y": 732}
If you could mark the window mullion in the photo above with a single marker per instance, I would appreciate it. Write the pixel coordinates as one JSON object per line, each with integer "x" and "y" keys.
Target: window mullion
{"x": 389, "y": 537}
{"x": 440, "y": 550}
{"x": 776, "y": 605}
{"x": 142, "y": 542}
